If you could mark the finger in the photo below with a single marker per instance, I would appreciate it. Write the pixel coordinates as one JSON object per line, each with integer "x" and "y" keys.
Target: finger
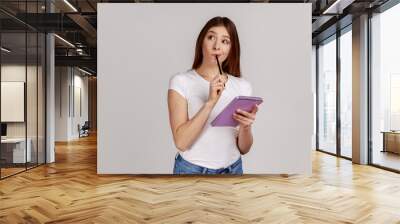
{"x": 243, "y": 118}
{"x": 255, "y": 109}
{"x": 216, "y": 78}
{"x": 235, "y": 117}
{"x": 221, "y": 79}
{"x": 219, "y": 88}
{"x": 219, "y": 85}
{"x": 245, "y": 113}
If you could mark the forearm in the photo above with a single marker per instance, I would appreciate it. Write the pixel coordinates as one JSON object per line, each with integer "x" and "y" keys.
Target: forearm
{"x": 188, "y": 132}
{"x": 245, "y": 140}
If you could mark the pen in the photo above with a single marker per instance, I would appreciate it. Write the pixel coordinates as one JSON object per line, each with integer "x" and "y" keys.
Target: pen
{"x": 219, "y": 68}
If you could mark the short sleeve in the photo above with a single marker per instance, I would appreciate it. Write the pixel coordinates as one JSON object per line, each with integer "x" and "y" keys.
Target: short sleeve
{"x": 177, "y": 83}
{"x": 247, "y": 89}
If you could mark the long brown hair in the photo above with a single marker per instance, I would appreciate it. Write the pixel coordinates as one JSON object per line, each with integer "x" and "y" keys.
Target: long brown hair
{"x": 232, "y": 63}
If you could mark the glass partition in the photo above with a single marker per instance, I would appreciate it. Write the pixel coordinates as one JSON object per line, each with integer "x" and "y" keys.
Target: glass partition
{"x": 13, "y": 109}
{"x": 327, "y": 96}
{"x": 385, "y": 89}
{"x": 22, "y": 77}
{"x": 32, "y": 95}
{"x": 346, "y": 93}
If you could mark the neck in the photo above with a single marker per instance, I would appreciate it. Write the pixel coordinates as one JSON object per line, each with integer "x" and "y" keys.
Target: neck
{"x": 208, "y": 71}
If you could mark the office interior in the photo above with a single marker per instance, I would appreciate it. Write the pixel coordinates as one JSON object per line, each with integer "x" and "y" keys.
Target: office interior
{"x": 49, "y": 85}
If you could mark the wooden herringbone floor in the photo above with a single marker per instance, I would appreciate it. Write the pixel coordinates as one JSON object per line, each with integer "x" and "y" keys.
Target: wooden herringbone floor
{"x": 69, "y": 191}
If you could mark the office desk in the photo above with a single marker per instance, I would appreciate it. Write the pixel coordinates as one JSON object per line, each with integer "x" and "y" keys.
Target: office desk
{"x": 13, "y": 150}
{"x": 391, "y": 141}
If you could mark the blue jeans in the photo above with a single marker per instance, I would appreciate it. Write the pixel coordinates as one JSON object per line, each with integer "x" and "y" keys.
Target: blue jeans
{"x": 185, "y": 167}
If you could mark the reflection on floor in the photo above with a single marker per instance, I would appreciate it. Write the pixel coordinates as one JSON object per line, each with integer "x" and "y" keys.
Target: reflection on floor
{"x": 347, "y": 152}
{"x": 70, "y": 191}
{"x": 386, "y": 159}
{"x": 11, "y": 169}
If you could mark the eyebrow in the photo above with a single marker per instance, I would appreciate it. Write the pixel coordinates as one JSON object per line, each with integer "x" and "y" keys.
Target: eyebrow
{"x": 215, "y": 33}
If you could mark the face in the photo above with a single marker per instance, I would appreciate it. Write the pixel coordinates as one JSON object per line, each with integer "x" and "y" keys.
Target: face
{"x": 216, "y": 42}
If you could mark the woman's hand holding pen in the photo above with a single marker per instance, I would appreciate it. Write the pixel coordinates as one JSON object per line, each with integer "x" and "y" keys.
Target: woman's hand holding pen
{"x": 217, "y": 85}
{"x": 245, "y": 119}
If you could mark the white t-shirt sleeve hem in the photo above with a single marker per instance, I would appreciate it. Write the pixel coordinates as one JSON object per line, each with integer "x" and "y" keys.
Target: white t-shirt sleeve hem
{"x": 176, "y": 83}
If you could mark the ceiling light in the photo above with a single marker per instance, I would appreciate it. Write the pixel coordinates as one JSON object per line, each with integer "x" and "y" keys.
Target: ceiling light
{"x": 331, "y": 7}
{"x": 84, "y": 71}
{"x": 5, "y": 50}
{"x": 70, "y": 5}
{"x": 64, "y": 40}
{"x": 338, "y": 6}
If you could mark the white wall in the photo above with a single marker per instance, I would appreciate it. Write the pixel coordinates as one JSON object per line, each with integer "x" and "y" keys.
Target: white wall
{"x": 18, "y": 73}
{"x": 68, "y": 81}
{"x": 12, "y": 101}
{"x": 12, "y": 73}
{"x": 80, "y": 84}
{"x": 62, "y": 80}
{"x": 135, "y": 65}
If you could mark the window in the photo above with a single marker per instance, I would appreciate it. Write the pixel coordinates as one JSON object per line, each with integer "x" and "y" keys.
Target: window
{"x": 346, "y": 93}
{"x": 385, "y": 88}
{"x": 327, "y": 96}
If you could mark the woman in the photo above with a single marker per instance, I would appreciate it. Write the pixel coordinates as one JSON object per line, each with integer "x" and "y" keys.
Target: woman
{"x": 197, "y": 96}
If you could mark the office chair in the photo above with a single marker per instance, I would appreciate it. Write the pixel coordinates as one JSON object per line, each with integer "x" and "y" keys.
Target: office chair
{"x": 84, "y": 130}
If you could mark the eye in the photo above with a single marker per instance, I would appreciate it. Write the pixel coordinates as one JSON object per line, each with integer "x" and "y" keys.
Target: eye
{"x": 226, "y": 42}
{"x": 211, "y": 37}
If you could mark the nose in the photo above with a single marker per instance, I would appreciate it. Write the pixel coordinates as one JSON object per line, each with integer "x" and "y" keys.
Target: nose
{"x": 216, "y": 45}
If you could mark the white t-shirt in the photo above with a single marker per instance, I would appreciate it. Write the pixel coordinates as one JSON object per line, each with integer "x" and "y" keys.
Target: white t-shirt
{"x": 216, "y": 146}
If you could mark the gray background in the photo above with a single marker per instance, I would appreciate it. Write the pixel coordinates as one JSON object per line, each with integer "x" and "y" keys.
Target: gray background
{"x": 140, "y": 46}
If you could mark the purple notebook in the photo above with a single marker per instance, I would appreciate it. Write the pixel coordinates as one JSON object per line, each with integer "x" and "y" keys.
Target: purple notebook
{"x": 245, "y": 103}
